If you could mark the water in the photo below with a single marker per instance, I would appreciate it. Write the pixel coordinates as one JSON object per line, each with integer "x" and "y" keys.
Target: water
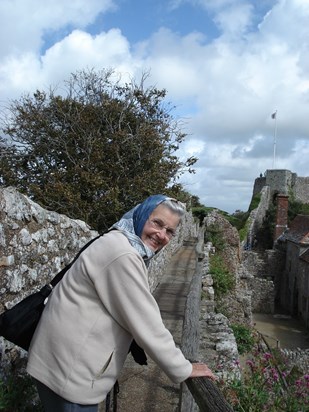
{"x": 281, "y": 330}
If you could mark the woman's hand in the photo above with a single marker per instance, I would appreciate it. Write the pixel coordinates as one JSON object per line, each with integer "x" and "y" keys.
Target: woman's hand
{"x": 201, "y": 369}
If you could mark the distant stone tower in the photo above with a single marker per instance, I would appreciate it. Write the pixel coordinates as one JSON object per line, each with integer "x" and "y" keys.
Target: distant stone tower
{"x": 277, "y": 186}
{"x": 284, "y": 182}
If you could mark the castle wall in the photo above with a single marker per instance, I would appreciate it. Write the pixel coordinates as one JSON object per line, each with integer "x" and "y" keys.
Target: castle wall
{"x": 280, "y": 181}
{"x": 259, "y": 183}
{"x": 285, "y": 182}
{"x": 301, "y": 189}
{"x": 257, "y": 216}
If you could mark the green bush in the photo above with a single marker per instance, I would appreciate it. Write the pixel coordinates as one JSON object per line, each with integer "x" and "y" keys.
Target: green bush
{"x": 255, "y": 201}
{"x": 243, "y": 232}
{"x": 238, "y": 219}
{"x": 215, "y": 235}
{"x": 199, "y": 213}
{"x": 223, "y": 280}
{"x": 244, "y": 338}
{"x": 297, "y": 208}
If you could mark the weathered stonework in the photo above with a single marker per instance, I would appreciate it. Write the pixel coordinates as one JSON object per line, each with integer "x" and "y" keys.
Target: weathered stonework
{"x": 258, "y": 281}
{"x": 35, "y": 245}
{"x": 254, "y": 289}
{"x": 263, "y": 298}
{"x": 285, "y": 182}
{"x": 257, "y": 216}
{"x": 231, "y": 252}
{"x": 218, "y": 346}
{"x": 298, "y": 358}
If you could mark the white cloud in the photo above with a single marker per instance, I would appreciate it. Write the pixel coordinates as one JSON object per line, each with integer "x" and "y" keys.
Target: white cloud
{"x": 23, "y": 23}
{"x": 174, "y": 61}
{"x": 236, "y": 20}
{"x": 80, "y": 50}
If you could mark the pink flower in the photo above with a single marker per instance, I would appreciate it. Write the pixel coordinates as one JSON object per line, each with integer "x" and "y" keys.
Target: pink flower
{"x": 250, "y": 363}
{"x": 275, "y": 376}
{"x": 236, "y": 362}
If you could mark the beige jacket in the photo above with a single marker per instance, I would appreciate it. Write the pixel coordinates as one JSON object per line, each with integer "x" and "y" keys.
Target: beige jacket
{"x": 86, "y": 329}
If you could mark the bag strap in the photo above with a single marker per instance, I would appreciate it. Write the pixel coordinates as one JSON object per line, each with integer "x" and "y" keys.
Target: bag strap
{"x": 60, "y": 275}
{"x": 111, "y": 399}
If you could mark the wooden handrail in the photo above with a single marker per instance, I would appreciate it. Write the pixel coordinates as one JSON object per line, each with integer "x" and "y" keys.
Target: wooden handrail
{"x": 207, "y": 395}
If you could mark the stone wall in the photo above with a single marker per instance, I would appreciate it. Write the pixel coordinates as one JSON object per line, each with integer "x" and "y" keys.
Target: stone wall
{"x": 218, "y": 346}
{"x": 207, "y": 336}
{"x": 256, "y": 273}
{"x": 259, "y": 183}
{"x": 263, "y": 296}
{"x": 236, "y": 304}
{"x": 257, "y": 216}
{"x": 255, "y": 264}
{"x": 298, "y": 358}
{"x": 280, "y": 181}
{"x": 254, "y": 288}
{"x": 301, "y": 189}
{"x": 34, "y": 245}
{"x": 228, "y": 236}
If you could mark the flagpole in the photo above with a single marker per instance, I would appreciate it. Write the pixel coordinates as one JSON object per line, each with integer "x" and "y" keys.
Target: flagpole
{"x": 274, "y": 116}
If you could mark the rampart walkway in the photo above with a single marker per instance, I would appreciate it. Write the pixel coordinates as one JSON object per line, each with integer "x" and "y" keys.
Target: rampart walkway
{"x": 146, "y": 388}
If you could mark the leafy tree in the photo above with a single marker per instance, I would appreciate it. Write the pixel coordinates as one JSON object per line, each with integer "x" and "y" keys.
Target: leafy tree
{"x": 93, "y": 150}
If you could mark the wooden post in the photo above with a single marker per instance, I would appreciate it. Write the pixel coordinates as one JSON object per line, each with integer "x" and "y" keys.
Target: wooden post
{"x": 207, "y": 395}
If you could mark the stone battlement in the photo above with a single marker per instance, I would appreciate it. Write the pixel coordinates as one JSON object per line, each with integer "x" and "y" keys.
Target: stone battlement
{"x": 284, "y": 182}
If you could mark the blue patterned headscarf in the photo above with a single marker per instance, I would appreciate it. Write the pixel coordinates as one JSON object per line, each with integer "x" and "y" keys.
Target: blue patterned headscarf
{"x": 132, "y": 224}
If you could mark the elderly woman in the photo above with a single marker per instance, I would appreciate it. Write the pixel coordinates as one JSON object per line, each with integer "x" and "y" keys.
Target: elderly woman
{"x": 100, "y": 306}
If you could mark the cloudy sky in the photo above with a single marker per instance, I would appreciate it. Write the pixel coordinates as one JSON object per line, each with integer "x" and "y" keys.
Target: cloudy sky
{"x": 227, "y": 65}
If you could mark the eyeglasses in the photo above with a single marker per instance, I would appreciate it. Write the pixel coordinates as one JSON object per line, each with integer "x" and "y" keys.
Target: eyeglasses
{"x": 159, "y": 225}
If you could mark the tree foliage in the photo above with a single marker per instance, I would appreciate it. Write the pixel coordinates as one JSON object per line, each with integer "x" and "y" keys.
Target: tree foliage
{"x": 93, "y": 150}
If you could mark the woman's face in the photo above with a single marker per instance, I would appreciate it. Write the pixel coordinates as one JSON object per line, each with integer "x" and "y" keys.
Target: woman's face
{"x": 160, "y": 228}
